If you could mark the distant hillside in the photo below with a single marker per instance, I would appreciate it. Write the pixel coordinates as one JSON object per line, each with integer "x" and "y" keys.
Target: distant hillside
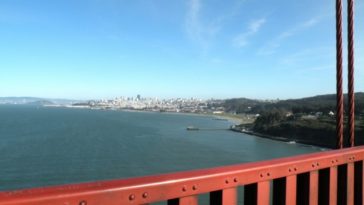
{"x": 18, "y": 100}
{"x": 242, "y": 105}
{"x": 41, "y": 103}
{"x": 35, "y": 101}
{"x": 307, "y": 120}
{"x": 320, "y": 103}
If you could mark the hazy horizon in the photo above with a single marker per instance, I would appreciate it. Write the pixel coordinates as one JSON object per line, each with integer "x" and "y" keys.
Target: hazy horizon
{"x": 158, "y": 97}
{"x": 196, "y": 48}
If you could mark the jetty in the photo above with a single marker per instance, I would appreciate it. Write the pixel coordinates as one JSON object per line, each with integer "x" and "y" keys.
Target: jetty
{"x": 192, "y": 128}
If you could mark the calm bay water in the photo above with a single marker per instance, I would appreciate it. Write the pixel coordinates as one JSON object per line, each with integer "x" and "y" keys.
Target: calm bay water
{"x": 49, "y": 146}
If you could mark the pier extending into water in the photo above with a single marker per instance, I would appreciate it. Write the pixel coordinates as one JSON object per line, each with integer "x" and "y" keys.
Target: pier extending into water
{"x": 191, "y": 128}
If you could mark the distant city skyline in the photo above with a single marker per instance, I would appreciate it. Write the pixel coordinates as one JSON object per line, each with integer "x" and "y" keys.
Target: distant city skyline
{"x": 195, "y": 48}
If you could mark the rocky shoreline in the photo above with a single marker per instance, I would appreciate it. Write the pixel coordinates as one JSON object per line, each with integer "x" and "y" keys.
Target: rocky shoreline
{"x": 277, "y": 138}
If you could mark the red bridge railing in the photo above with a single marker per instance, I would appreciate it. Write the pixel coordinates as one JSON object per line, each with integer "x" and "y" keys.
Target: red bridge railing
{"x": 330, "y": 177}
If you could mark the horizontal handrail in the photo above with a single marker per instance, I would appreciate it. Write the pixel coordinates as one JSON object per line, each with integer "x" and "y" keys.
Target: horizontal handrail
{"x": 184, "y": 185}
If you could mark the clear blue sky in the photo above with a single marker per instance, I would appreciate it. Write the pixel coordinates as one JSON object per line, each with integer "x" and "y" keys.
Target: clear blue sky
{"x": 82, "y": 49}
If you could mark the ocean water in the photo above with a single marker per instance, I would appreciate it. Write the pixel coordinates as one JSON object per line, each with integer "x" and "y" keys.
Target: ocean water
{"x": 42, "y": 146}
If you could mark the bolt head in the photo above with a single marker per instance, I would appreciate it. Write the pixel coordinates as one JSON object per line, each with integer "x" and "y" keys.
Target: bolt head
{"x": 145, "y": 195}
{"x": 83, "y": 203}
{"x": 131, "y": 197}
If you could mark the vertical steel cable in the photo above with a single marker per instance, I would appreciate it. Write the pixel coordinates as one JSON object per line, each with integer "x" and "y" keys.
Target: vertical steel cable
{"x": 339, "y": 79}
{"x": 351, "y": 96}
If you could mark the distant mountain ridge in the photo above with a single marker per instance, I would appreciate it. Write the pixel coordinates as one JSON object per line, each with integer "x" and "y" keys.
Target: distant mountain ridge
{"x": 35, "y": 101}
{"x": 308, "y": 104}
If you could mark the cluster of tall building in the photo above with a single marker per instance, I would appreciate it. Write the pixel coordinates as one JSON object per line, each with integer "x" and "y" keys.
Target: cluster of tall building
{"x": 192, "y": 105}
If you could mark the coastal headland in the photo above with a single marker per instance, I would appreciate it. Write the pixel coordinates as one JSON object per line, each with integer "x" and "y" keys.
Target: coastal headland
{"x": 308, "y": 120}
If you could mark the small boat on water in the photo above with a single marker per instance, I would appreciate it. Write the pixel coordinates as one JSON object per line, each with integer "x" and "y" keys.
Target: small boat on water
{"x": 192, "y": 128}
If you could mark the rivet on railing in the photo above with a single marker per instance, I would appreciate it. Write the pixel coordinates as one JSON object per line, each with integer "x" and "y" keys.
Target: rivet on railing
{"x": 317, "y": 164}
{"x": 295, "y": 169}
{"x": 226, "y": 181}
{"x": 194, "y": 187}
{"x": 184, "y": 188}
{"x": 268, "y": 174}
{"x": 145, "y": 195}
{"x": 336, "y": 160}
{"x": 83, "y": 202}
{"x": 290, "y": 170}
{"x": 332, "y": 161}
{"x": 131, "y": 197}
{"x": 261, "y": 175}
{"x": 235, "y": 180}
{"x": 313, "y": 165}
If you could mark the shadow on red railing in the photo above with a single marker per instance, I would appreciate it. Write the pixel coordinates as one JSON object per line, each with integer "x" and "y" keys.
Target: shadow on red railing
{"x": 320, "y": 178}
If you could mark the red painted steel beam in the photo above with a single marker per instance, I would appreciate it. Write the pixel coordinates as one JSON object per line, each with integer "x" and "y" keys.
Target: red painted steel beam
{"x": 362, "y": 184}
{"x": 263, "y": 193}
{"x": 150, "y": 189}
{"x": 313, "y": 188}
{"x": 291, "y": 186}
{"x": 333, "y": 185}
{"x": 350, "y": 184}
{"x": 188, "y": 200}
{"x": 230, "y": 196}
